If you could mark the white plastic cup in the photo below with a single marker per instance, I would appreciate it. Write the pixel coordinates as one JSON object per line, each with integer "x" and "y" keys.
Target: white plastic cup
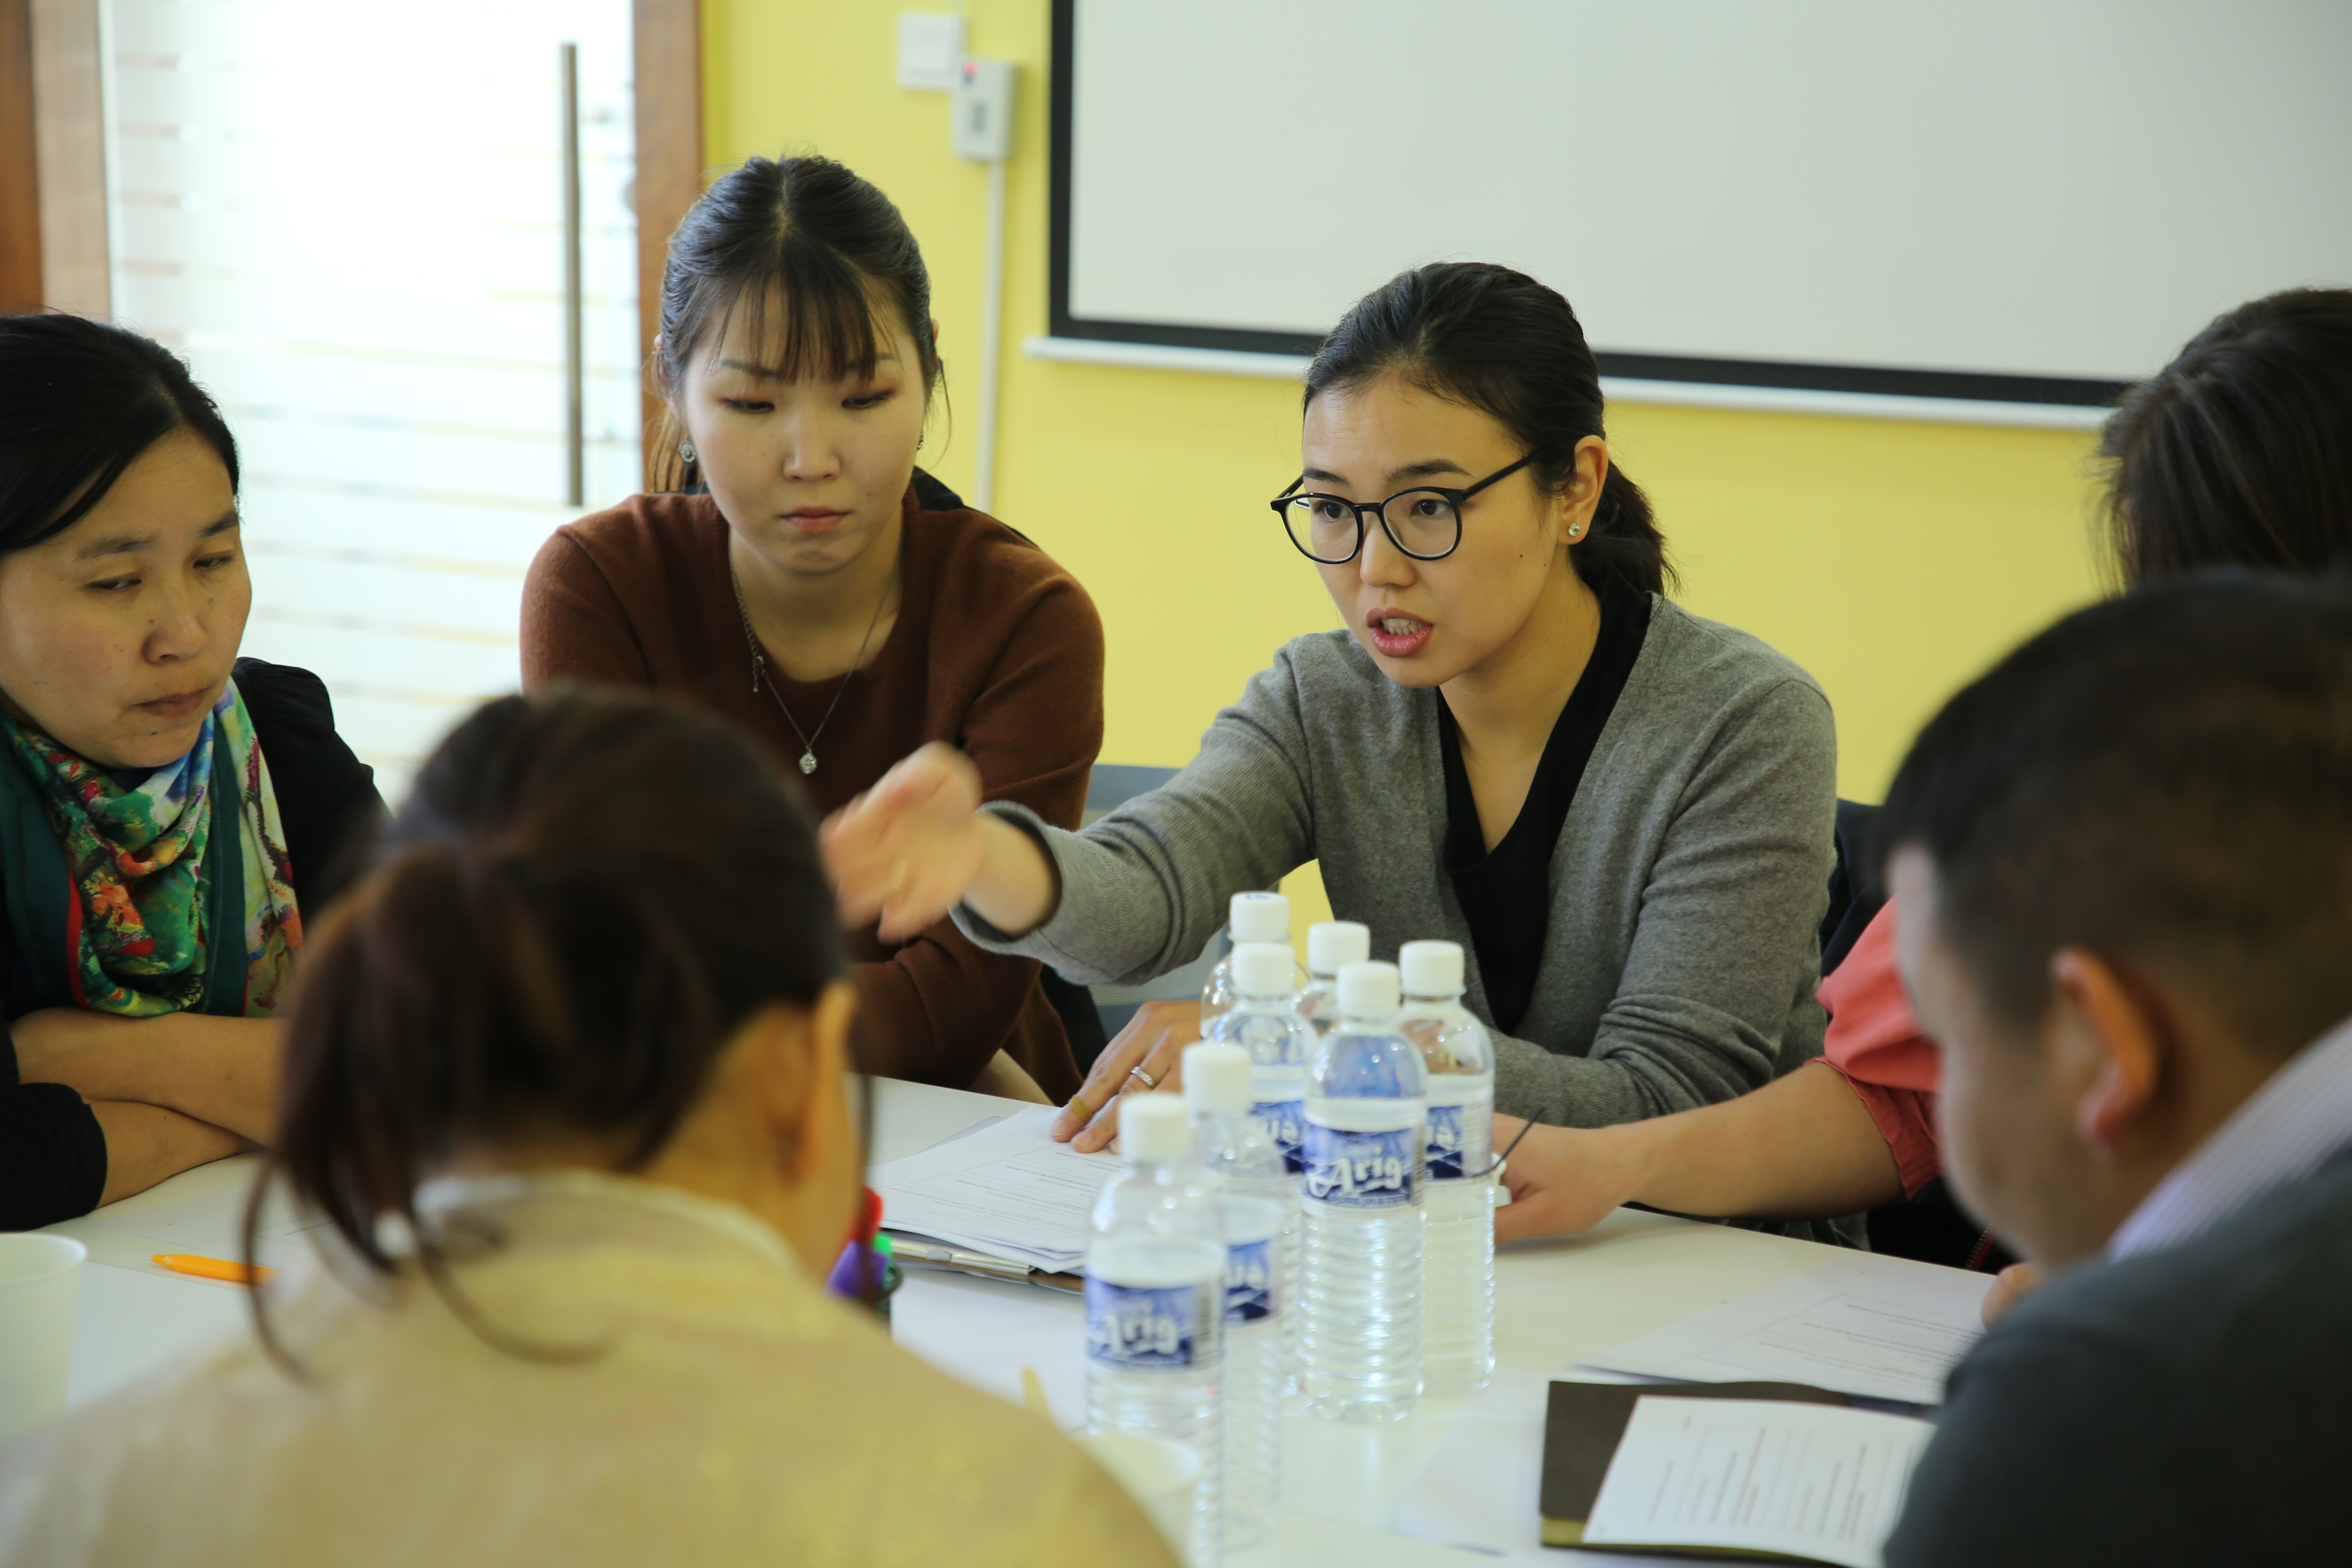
{"x": 40, "y": 1275}
{"x": 1157, "y": 1473}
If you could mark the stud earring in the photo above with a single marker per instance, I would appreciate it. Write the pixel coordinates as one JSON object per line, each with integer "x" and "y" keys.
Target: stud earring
{"x": 685, "y": 452}
{"x": 1574, "y": 529}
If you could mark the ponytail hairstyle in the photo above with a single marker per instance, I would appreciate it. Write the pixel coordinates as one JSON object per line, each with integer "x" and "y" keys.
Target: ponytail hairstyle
{"x": 80, "y": 400}
{"x": 2240, "y": 451}
{"x": 585, "y": 897}
{"x": 1500, "y": 341}
{"x": 832, "y": 245}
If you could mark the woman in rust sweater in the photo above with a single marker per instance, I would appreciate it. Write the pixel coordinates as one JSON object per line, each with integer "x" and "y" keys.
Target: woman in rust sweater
{"x": 812, "y": 597}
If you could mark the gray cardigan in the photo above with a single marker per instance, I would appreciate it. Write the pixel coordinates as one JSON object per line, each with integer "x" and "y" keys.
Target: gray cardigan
{"x": 1687, "y": 883}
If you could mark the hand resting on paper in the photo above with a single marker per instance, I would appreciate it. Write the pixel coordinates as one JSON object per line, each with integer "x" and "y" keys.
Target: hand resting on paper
{"x": 1154, "y": 1039}
{"x": 1561, "y": 1180}
{"x": 2010, "y": 1286}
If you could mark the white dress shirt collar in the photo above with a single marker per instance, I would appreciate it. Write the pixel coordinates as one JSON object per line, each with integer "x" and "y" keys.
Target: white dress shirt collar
{"x": 2283, "y": 1133}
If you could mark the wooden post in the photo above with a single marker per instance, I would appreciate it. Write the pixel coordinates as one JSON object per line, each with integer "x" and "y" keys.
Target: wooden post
{"x": 669, "y": 162}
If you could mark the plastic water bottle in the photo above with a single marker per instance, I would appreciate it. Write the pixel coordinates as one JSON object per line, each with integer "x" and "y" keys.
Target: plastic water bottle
{"x": 1262, "y": 1023}
{"x": 1277, "y": 1041}
{"x": 1250, "y": 917}
{"x": 1259, "y": 1202}
{"x": 1458, "y": 1333}
{"x": 1156, "y": 1306}
{"x": 1367, "y": 1128}
{"x": 1331, "y": 946}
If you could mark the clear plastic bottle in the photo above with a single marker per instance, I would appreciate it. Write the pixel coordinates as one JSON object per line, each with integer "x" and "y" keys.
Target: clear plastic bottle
{"x": 1367, "y": 1130}
{"x": 1262, "y": 1023}
{"x": 1331, "y": 946}
{"x": 1259, "y": 1201}
{"x": 1277, "y": 1041}
{"x": 1250, "y": 917}
{"x": 1457, "y": 1331}
{"x": 1155, "y": 1305}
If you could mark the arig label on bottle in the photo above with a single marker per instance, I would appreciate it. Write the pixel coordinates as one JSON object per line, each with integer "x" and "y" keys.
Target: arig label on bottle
{"x": 1140, "y": 1328}
{"x": 1445, "y": 1142}
{"x": 1249, "y": 1281}
{"x": 1362, "y": 1170}
{"x": 1285, "y": 1121}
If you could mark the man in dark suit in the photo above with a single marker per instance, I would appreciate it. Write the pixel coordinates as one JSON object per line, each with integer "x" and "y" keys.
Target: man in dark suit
{"x": 2124, "y": 859}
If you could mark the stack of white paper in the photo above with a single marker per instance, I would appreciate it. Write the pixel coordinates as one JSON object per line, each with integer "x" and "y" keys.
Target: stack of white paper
{"x": 1882, "y": 1328}
{"x": 1809, "y": 1480}
{"x": 1008, "y": 1191}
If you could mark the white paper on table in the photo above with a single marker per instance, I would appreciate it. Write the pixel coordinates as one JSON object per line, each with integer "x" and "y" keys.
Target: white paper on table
{"x": 1482, "y": 1491}
{"x": 1007, "y": 1190}
{"x": 1810, "y": 1480}
{"x": 213, "y": 1226}
{"x": 1880, "y": 1327}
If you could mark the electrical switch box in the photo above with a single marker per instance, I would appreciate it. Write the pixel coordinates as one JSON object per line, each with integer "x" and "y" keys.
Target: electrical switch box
{"x": 981, "y": 110}
{"x": 930, "y": 50}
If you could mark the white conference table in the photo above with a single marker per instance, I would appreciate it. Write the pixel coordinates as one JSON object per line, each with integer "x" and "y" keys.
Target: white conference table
{"x": 1342, "y": 1486}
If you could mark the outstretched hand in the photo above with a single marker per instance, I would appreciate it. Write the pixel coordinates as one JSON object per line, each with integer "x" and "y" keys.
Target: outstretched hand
{"x": 1562, "y": 1180}
{"x": 1154, "y": 1040}
{"x": 905, "y": 852}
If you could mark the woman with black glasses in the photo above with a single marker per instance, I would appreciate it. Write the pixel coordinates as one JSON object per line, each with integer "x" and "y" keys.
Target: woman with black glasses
{"x": 1622, "y": 812}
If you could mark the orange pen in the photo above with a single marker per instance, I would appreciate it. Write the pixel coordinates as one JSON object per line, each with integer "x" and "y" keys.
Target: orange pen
{"x": 214, "y": 1269}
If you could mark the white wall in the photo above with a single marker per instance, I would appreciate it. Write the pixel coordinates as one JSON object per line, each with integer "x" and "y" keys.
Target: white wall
{"x": 2054, "y": 187}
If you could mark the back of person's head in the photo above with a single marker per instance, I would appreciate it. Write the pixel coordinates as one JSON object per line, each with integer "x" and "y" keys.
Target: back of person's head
{"x": 1500, "y": 341}
{"x": 809, "y": 237}
{"x": 2240, "y": 451}
{"x": 584, "y": 898}
{"x": 80, "y": 402}
{"x": 2165, "y": 781}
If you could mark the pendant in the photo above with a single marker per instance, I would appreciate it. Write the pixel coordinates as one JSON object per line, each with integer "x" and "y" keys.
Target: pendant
{"x": 808, "y": 762}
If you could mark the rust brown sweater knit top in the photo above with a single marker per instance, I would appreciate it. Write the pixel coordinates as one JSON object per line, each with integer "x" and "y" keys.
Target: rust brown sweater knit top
{"x": 996, "y": 651}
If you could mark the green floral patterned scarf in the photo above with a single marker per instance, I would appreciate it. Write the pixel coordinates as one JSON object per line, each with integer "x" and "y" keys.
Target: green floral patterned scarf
{"x": 143, "y": 860}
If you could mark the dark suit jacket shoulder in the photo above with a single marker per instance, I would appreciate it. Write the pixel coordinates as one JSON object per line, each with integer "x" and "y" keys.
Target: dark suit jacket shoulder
{"x": 2187, "y": 1405}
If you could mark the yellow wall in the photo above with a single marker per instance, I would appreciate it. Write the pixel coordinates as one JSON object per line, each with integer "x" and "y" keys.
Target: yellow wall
{"x": 1890, "y": 559}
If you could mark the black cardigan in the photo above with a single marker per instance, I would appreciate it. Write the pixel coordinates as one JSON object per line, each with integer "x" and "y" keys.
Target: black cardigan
{"x": 52, "y": 1152}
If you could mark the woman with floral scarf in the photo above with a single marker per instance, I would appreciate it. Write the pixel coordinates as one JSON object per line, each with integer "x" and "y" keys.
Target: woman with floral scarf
{"x": 167, "y": 810}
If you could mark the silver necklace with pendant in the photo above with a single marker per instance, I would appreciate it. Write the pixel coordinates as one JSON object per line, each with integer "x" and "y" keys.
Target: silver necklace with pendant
{"x": 759, "y": 670}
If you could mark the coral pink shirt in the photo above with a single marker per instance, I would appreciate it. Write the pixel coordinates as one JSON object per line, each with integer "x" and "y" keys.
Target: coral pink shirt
{"x": 1875, "y": 1042}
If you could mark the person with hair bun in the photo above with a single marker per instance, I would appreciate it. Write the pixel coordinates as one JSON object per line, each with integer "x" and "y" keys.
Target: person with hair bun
{"x": 1621, "y": 812}
{"x": 817, "y": 587}
{"x": 571, "y": 1090}
{"x": 169, "y": 811}
{"x": 2237, "y": 454}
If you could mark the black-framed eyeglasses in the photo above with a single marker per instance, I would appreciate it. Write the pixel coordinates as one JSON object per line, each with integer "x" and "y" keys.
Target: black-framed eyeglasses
{"x": 1425, "y": 521}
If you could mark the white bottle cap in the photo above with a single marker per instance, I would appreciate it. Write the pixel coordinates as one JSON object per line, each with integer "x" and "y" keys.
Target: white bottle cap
{"x": 1153, "y": 1128}
{"x": 1332, "y": 945}
{"x": 1216, "y": 1077}
{"x": 1259, "y": 917}
{"x": 1368, "y": 990}
{"x": 1431, "y": 968}
{"x": 1265, "y": 969}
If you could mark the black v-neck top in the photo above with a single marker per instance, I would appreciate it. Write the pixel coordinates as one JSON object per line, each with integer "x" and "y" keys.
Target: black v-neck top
{"x": 1506, "y": 894}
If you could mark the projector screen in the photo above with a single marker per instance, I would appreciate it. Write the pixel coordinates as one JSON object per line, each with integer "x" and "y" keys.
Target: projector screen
{"x": 2017, "y": 200}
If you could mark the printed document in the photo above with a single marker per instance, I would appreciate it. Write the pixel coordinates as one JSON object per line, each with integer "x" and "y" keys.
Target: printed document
{"x": 1809, "y": 1480}
{"x": 1006, "y": 1190}
{"x": 1878, "y": 1328}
